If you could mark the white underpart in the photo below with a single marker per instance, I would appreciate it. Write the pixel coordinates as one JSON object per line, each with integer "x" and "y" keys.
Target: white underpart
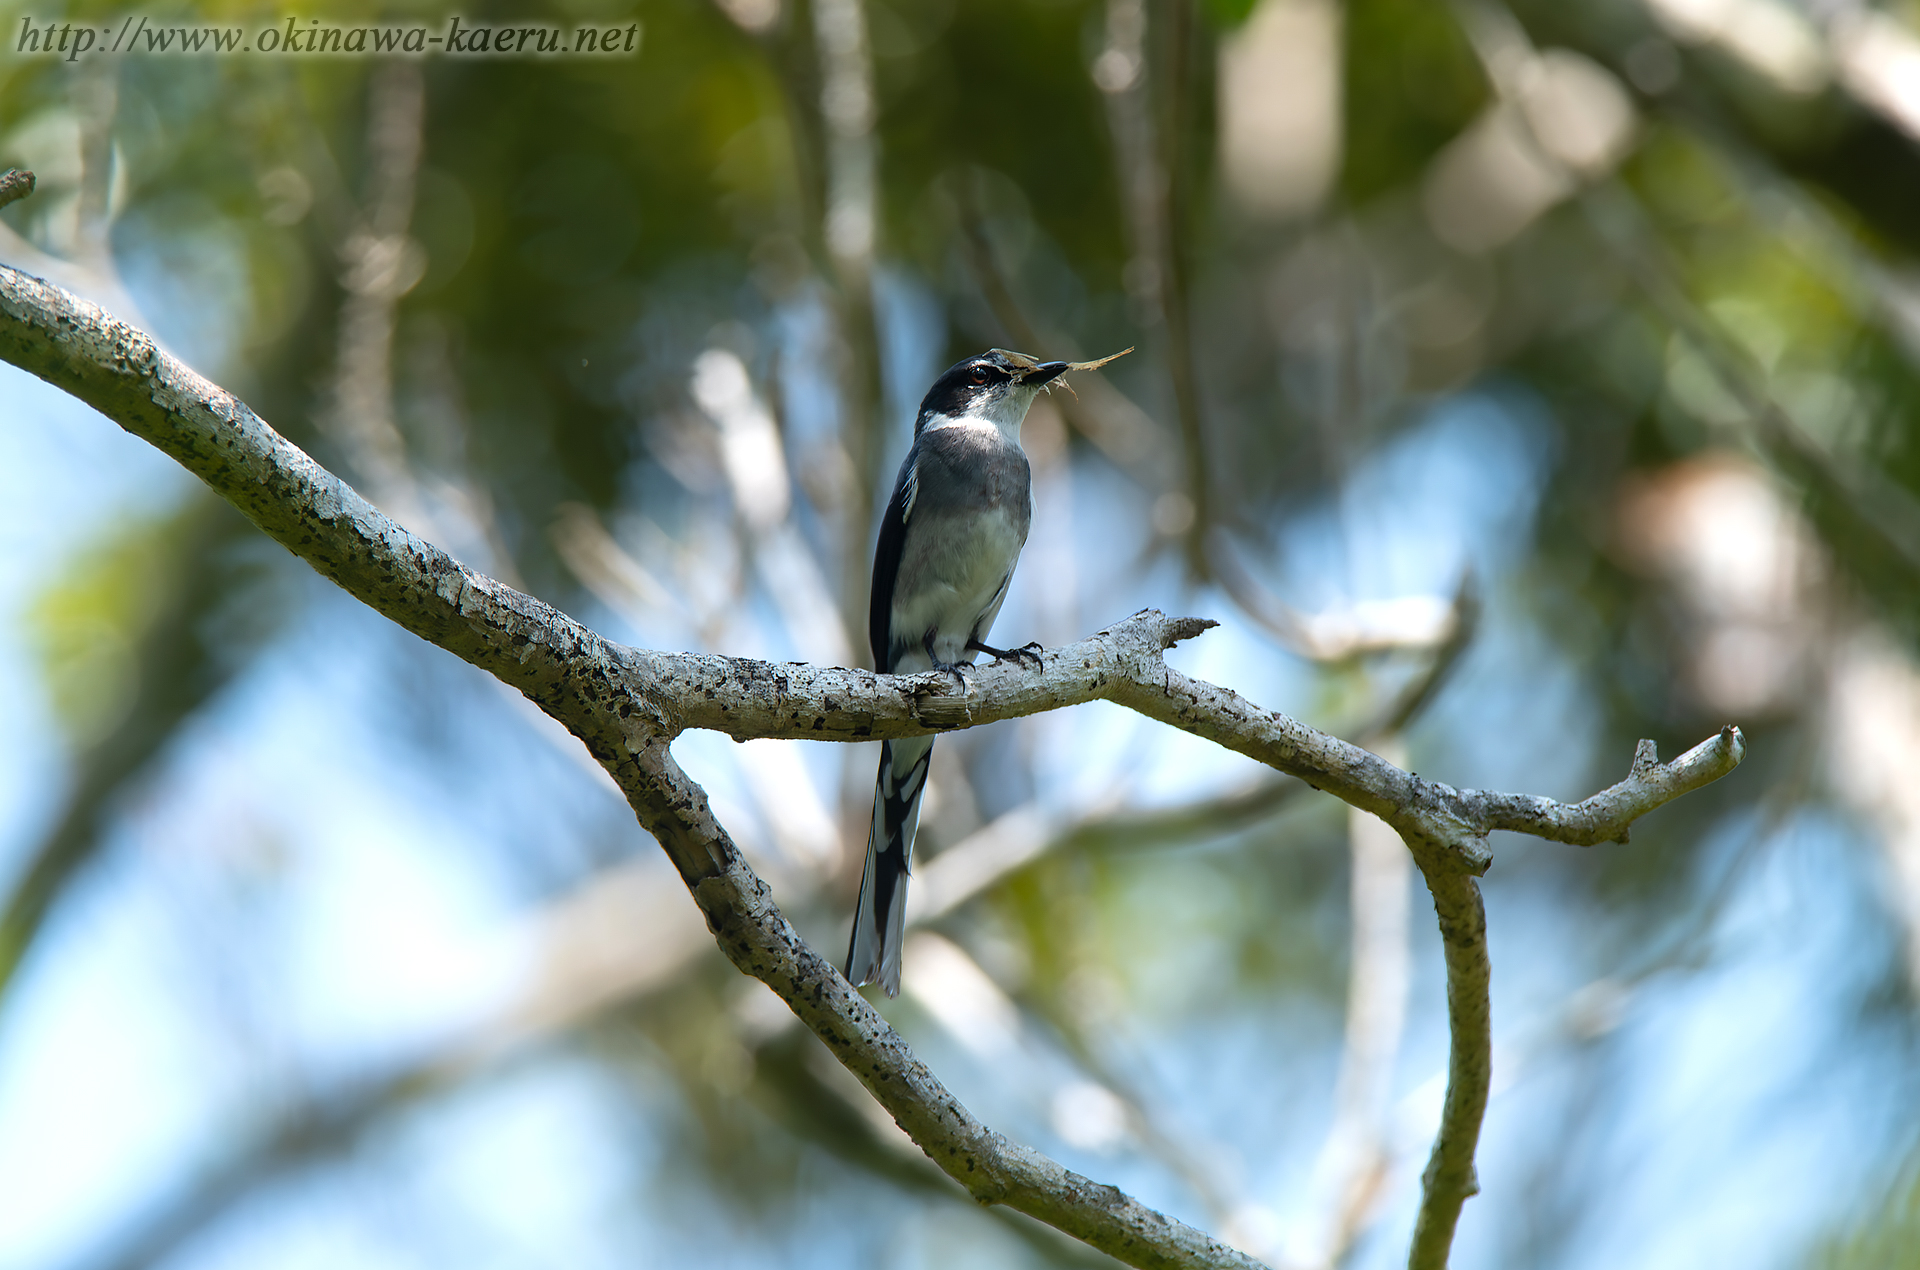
{"x": 954, "y": 608}
{"x": 972, "y": 569}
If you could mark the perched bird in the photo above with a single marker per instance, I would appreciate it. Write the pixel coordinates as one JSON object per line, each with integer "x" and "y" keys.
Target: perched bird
{"x": 951, "y": 536}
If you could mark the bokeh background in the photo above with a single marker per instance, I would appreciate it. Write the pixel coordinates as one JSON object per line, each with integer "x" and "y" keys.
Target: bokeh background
{"x": 1511, "y": 383}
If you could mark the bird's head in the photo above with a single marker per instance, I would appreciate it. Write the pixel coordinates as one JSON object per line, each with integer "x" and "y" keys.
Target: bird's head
{"x": 994, "y": 387}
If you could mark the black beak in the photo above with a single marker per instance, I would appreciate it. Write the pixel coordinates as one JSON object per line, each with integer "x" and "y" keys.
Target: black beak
{"x": 1044, "y": 373}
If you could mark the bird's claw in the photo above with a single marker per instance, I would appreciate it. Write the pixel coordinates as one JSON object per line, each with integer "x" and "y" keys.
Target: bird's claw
{"x": 1033, "y": 648}
{"x": 957, "y": 670}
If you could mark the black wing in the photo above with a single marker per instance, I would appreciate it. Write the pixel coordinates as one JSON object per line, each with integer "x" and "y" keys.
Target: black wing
{"x": 886, "y": 564}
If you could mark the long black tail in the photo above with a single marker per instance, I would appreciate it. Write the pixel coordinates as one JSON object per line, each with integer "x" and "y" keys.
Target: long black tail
{"x": 879, "y": 923}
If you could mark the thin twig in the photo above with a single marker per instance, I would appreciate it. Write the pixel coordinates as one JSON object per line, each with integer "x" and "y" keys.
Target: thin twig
{"x": 1175, "y": 299}
{"x": 95, "y": 96}
{"x": 379, "y": 263}
{"x": 1419, "y": 694}
{"x": 849, "y": 229}
{"x": 1152, "y": 172}
{"x": 1096, "y": 409}
{"x": 1354, "y": 1161}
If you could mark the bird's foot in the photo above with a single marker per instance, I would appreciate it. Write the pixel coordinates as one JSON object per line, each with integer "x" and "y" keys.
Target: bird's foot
{"x": 1032, "y": 648}
{"x": 957, "y": 669}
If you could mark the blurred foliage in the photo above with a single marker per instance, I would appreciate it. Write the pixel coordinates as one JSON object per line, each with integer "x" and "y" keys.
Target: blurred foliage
{"x": 1736, "y": 280}
{"x": 138, "y": 634}
{"x": 1412, "y": 84}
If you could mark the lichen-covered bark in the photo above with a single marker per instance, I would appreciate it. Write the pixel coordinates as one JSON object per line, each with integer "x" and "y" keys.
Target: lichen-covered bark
{"x": 1449, "y": 1180}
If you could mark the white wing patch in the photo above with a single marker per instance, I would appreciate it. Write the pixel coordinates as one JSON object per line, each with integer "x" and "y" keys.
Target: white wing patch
{"x": 913, "y": 491}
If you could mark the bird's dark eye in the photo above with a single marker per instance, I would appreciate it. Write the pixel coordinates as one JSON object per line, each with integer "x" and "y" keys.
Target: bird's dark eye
{"x": 978, "y": 374}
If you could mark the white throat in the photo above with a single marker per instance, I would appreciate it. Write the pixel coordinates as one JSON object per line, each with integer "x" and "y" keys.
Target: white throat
{"x": 1005, "y": 413}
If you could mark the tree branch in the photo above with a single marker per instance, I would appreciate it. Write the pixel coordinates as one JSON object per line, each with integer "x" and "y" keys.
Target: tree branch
{"x": 1450, "y": 1180}
{"x": 590, "y": 685}
{"x": 1606, "y": 816}
{"x": 627, "y": 705}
